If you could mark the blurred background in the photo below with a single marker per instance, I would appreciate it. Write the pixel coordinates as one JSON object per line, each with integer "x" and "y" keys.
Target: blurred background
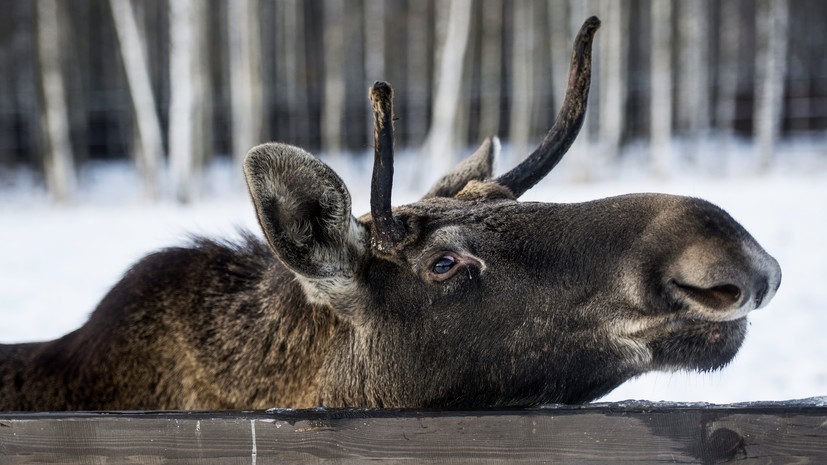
{"x": 123, "y": 123}
{"x": 174, "y": 85}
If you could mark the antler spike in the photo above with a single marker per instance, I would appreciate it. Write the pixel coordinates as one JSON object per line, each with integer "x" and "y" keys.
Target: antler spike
{"x": 387, "y": 230}
{"x": 568, "y": 122}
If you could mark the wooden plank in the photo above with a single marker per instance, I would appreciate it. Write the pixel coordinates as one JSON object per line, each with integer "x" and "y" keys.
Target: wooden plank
{"x": 639, "y": 433}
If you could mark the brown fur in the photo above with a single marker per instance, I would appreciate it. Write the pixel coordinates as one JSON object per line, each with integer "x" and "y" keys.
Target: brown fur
{"x": 469, "y": 298}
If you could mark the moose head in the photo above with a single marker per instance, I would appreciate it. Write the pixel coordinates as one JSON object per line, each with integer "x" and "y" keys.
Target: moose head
{"x": 466, "y": 298}
{"x": 470, "y": 297}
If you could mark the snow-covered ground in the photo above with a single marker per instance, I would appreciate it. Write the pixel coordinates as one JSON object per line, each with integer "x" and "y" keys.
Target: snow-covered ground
{"x": 56, "y": 262}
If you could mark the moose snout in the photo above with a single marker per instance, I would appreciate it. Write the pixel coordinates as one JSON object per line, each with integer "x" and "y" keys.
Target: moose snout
{"x": 720, "y": 284}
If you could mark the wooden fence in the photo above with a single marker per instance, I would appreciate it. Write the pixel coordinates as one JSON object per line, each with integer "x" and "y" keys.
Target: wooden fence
{"x": 638, "y": 433}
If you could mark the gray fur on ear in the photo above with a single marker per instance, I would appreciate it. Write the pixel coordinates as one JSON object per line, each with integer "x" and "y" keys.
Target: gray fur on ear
{"x": 478, "y": 167}
{"x": 304, "y": 209}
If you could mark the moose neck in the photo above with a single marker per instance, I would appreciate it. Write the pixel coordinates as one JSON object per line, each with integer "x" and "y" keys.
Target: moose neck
{"x": 293, "y": 342}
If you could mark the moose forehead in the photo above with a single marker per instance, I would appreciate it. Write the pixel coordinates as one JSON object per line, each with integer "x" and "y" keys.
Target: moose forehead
{"x": 626, "y": 215}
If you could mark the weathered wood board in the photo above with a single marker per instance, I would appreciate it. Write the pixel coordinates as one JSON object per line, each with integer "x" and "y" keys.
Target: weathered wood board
{"x": 634, "y": 433}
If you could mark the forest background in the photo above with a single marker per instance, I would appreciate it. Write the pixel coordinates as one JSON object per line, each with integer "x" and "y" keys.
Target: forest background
{"x": 173, "y": 85}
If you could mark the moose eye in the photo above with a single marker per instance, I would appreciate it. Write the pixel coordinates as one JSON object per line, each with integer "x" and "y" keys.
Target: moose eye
{"x": 444, "y": 264}
{"x": 448, "y": 264}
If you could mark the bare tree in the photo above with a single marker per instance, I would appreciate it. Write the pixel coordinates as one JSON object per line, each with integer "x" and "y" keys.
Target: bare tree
{"x": 614, "y": 48}
{"x": 418, "y": 55}
{"x": 523, "y": 89}
{"x": 245, "y": 75}
{"x": 187, "y": 90}
{"x": 290, "y": 71}
{"x": 729, "y": 48}
{"x": 334, "y": 76}
{"x": 771, "y": 68}
{"x": 440, "y": 140}
{"x": 58, "y": 163}
{"x": 693, "y": 78}
{"x": 582, "y": 167}
{"x": 661, "y": 83}
{"x": 374, "y": 12}
{"x": 23, "y": 77}
{"x": 560, "y": 36}
{"x": 490, "y": 67}
{"x": 149, "y": 155}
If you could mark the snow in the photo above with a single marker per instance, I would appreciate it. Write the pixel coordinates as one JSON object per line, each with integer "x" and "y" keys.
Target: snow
{"x": 56, "y": 262}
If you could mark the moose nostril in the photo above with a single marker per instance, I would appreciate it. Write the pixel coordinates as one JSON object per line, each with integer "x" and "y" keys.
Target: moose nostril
{"x": 719, "y": 297}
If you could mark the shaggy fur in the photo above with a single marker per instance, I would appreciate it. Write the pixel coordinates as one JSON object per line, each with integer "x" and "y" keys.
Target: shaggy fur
{"x": 546, "y": 303}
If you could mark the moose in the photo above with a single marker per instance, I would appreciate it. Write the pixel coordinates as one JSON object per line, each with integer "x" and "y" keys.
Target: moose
{"x": 465, "y": 298}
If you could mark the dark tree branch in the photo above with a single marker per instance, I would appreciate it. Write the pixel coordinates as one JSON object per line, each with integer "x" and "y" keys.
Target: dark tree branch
{"x": 387, "y": 230}
{"x": 568, "y": 122}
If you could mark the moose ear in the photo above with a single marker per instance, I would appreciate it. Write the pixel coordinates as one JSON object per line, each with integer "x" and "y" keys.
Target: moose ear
{"x": 478, "y": 167}
{"x": 304, "y": 210}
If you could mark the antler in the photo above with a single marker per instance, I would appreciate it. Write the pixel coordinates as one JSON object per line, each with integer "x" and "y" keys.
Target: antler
{"x": 387, "y": 230}
{"x": 568, "y": 122}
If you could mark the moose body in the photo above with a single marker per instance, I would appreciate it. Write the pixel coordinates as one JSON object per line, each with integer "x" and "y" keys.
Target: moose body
{"x": 467, "y": 298}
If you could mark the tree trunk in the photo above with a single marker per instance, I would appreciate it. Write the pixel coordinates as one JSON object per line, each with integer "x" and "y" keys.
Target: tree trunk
{"x": 613, "y": 78}
{"x": 440, "y": 143}
{"x": 579, "y": 10}
{"x": 58, "y": 163}
{"x": 334, "y": 77}
{"x": 290, "y": 69}
{"x": 374, "y": 12}
{"x": 581, "y": 159}
{"x": 27, "y": 93}
{"x": 187, "y": 89}
{"x": 245, "y": 76}
{"x": 771, "y": 69}
{"x": 729, "y": 48}
{"x": 661, "y": 82}
{"x": 560, "y": 47}
{"x": 372, "y": 30}
{"x": 417, "y": 71}
{"x": 490, "y": 67}
{"x": 522, "y": 76}
{"x": 149, "y": 156}
{"x": 693, "y": 87}
{"x": 463, "y": 121}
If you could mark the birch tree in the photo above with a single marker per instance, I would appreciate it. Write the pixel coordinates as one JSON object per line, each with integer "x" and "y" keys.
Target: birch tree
{"x": 417, "y": 71}
{"x": 463, "y": 120}
{"x": 522, "y": 76}
{"x": 693, "y": 77}
{"x": 186, "y": 117}
{"x": 334, "y": 77}
{"x": 660, "y": 111}
{"x": 6, "y": 84}
{"x": 27, "y": 92}
{"x": 374, "y": 12}
{"x": 150, "y": 152}
{"x": 490, "y": 67}
{"x": 771, "y": 68}
{"x": 440, "y": 142}
{"x": 729, "y": 48}
{"x": 613, "y": 78}
{"x": 245, "y": 75}
{"x": 58, "y": 163}
{"x": 374, "y": 19}
{"x": 581, "y": 164}
{"x": 579, "y": 10}
{"x": 290, "y": 70}
{"x": 560, "y": 48}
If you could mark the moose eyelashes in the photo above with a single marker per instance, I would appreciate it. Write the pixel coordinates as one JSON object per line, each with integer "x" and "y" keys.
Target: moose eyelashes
{"x": 446, "y": 265}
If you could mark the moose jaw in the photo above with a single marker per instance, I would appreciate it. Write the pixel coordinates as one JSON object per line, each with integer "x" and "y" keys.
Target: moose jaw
{"x": 466, "y": 298}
